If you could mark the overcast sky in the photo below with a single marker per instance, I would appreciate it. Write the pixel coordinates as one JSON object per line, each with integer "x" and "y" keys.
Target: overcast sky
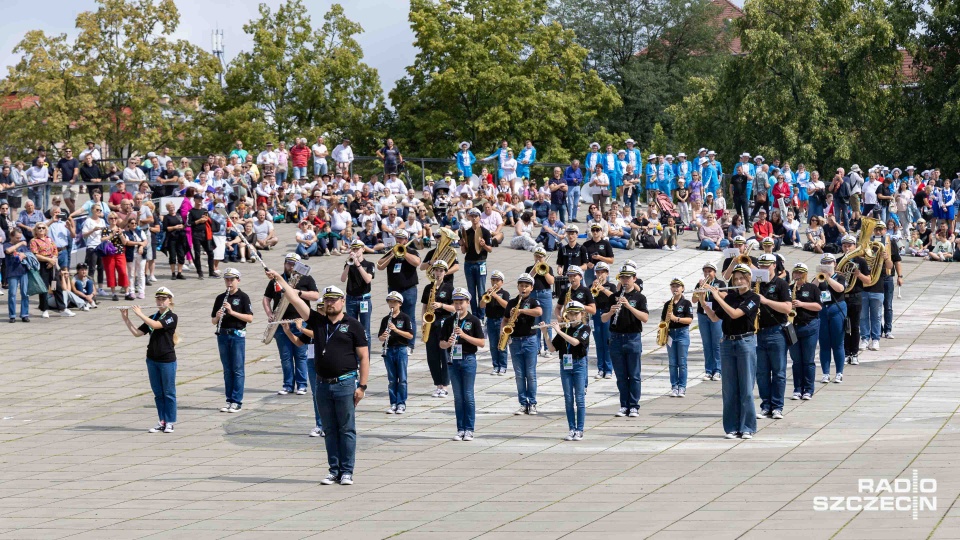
{"x": 387, "y": 40}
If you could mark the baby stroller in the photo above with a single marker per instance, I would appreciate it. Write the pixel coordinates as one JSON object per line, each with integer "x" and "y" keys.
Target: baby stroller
{"x": 441, "y": 198}
{"x": 667, "y": 209}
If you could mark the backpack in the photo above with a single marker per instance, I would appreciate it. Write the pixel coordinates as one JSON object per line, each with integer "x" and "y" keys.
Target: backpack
{"x": 647, "y": 241}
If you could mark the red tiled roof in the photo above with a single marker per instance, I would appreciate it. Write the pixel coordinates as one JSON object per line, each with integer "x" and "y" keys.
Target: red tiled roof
{"x": 14, "y": 102}
{"x": 908, "y": 69}
{"x": 728, "y": 11}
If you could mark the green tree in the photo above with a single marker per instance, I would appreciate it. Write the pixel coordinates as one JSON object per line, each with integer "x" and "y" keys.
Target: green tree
{"x": 489, "y": 70}
{"x": 147, "y": 85}
{"x": 297, "y": 81}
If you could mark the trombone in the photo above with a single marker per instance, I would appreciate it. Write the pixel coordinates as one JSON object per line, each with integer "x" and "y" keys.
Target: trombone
{"x": 541, "y": 268}
{"x": 399, "y": 251}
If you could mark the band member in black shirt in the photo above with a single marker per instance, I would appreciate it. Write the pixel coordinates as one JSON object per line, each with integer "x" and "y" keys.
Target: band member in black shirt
{"x": 231, "y": 313}
{"x": 740, "y": 243}
{"x": 461, "y": 336}
{"x": 402, "y": 277}
{"x": 737, "y": 311}
{"x": 832, "y": 317}
{"x": 475, "y": 251}
{"x": 293, "y": 358}
{"x": 358, "y": 275}
{"x": 396, "y": 330}
{"x": 543, "y": 289}
{"x": 710, "y": 331}
{"x": 775, "y": 304}
{"x": 601, "y": 330}
{"x": 678, "y": 320}
{"x": 571, "y": 342}
{"x": 494, "y": 311}
{"x": 596, "y": 249}
{"x": 576, "y": 290}
{"x": 571, "y": 252}
{"x": 441, "y": 306}
{"x": 523, "y": 342}
{"x": 427, "y": 263}
{"x": 343, "y": 365}
{"x": 626, "y": 318}
{"x": 891, "y": 263}
{"x": 161, "y": 356}
{"x": 860, "y": 277}
{"x": 198, "y": 219}
{"x": 806, "y": 302}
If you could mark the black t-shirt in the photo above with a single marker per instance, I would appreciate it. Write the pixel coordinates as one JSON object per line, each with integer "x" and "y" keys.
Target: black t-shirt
{"x": 832, "y": 296}
{"x": 390, "y": 155}
{"x": 864, "y": 269}
{"x": 603, "y": 301}
{"x": 749, "y": 302}
{"x": 523, "y": 326}
{"x": 808, "y": 292}
{"x": 471, "y": 254}
{"x": 925, "y": 236}
{"x": 682, "y": 309}
{"x": 402, "y": 322}
{"x": 567, "y": 255}
{"x": 335, "y": 344}
{"x": 240, "y": 303}
{"x": 448, "y": 278}
{"x": 168, "y": 174}
{"x": 540, "y": 282}
{"x": 831, "y": 234}
{"x": 602, "y": 248}
{"x": 404, "y": 276}
{"x": 777, "y": 290}
{"x": 67, "y": 167}
{"x": 739, "y": 184}
{"x": 626, "y": 322}
{"x": 470, "y": 325}
{"x": 172, "y": 220}
{"x": 582, "y": 333}
{"x": 719, "y": 283}
{"x": 304, "y": 283}
{"x": 160, "y": 348}
{"x": 581, "y": 294}
{"x": 356, "y": 286}
{"x": 198, "y": 231}
{"x": 444, "y": 296}
{"x": 493, "y": 310}
{"x": 920, "y": 199}
{"x": 89, "y": 173}
{"x": 559, "y": 196}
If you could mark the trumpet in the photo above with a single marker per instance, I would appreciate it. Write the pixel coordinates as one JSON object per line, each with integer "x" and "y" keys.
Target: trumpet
{"x": 488, "y": 296}
{"x": 595, "y": 290}
{"x": 541, "y": 268}
{"x": 822, "y": 276}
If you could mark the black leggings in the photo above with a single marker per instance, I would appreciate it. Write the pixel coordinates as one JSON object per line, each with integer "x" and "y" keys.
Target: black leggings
{"x": 199, "y": 246}
{"x": 177, "y": 249}
{"x": 851, "y": 341}
{"x": 95, "y": 261}
{"x": 47, "y": 275}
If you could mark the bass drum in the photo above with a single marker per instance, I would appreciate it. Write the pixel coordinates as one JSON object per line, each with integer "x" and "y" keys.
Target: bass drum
{"x": 560, "y": 286}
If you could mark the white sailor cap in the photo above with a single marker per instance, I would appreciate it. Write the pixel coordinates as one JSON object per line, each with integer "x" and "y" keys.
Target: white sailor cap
{"x": 525, "y": 278}
{"x": 291, "y": 257}
{"x": 594, "y": 144}
{"x": 574, "y": 269}
{"x": 540, "y": 250}
{"x": 800, "y": 267}
{"x": 232, "y": 273}
{"x": 163, "y": 291}
{"x": 601, "y": 267}
{"x": 333, "y": 292}
{"x": 395, "y": 296}
{"x": 461, "y": 294}
{"x": 758, "y": 157}
{"x": 497, "y": 275}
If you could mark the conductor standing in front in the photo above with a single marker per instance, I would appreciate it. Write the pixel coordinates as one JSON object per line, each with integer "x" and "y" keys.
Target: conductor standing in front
{"x": 343, "y": 365}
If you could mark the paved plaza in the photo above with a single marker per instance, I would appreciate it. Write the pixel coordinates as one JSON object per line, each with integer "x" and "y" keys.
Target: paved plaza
{"x": 76, "y": 460}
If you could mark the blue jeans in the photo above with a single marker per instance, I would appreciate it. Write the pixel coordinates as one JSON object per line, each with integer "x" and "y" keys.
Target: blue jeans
{"x": 710, "y": 334}
{"x": 574, "y": 382}
{"x": 463, "y": 375}
{"x": 338, "y": 414}
{"x": 304, "y": 251}
{"x": 545, "y": 298}
{"x": 16, "y": 283}
{"x": 396, "y": 364}
{"x": 771, "y": 367}
{"x": 409, "y": 307}
{"x": 498, "y": 357}
{"x": 832, "y": 317}
{"x": 299, "y": 172}
{"x": 739, "y": 361}
{"x": 601, "y": 338}
{"x": 63, "y": 258}
{"x": 293, "y": 361}
{"x": 560, "y": 209}
{"x": 632, "y": 199}
{"x": 476, "y": 284}
{"x": 803, "y": 353}
{"x": 870, "y": 315}
{"x": 353, "y": 310}
{"x": 233, "y": 351}
{"x": 573, "y": 201}
{"x": 625, "y": 350}
{"x": 709, "y": 245}
{"x": 524, "y": 353}
{"x": 888, "y": 287}
{"x": 618, "y": 242}
{"x": 312, "y": 379}
{"x": 677, "y": 352}
{"x": 163, "y": 382}
{"x": 319, "y": 167}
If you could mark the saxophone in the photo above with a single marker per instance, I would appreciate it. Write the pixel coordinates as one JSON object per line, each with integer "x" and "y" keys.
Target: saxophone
{"x": 566, "y": 300}
{"x": 756, "y": 320}
{"x": 428, "y": 315}
{"x": 507, "y": 329}
{"x": 663, "y": 329}
{"x": 278, "y": 312}
{"x": 793, "y": 296}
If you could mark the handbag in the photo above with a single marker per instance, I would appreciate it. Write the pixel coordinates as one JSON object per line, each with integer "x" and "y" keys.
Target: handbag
{"x": 35, "y": 283}
{"x": 107, "y": 249}
{"x": 790, "y": 333}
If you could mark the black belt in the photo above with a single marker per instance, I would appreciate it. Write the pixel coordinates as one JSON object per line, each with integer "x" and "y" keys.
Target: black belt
{"x": 738, "y": 337}
{"x": 335, "y": 380}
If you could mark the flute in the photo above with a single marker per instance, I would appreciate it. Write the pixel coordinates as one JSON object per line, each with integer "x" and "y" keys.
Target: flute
{"x": 564, "y": 324}
{"x": 122, "y": 307}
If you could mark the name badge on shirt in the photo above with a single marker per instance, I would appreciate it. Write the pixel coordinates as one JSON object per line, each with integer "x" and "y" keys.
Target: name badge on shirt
{"x": 396, "y": 268}
{"x": 669, "y": 341}
{"x": 566, "y": 362}
{"x": 364, "y": 306}
{"x": 458, "y": 352}
{"x": 825, "y": 296}
{"x": 483, "y": 268}
{"x": 310, "y": 351}
{"x": 708, "y": 304}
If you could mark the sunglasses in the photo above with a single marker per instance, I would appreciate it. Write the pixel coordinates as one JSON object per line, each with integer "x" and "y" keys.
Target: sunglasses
{"x": 41, "y": 228}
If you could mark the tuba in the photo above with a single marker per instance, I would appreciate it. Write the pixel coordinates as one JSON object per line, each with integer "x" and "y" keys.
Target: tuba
{"x": 873, "y": 252}
{"x": 445, "y": 250}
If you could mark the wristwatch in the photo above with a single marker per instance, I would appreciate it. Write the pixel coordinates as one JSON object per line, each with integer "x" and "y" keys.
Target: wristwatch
{"x": 362, "y": 387}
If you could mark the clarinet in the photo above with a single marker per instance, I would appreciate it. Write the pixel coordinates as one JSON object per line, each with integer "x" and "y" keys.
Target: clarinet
{"x": 383, "y": 352}
{"x": 616, "y": 315}
{"x": 223, "y": 310}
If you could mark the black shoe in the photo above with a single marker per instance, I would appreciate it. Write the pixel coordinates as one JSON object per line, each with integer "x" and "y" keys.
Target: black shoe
{"x": 25, "y": 319}
{"x": 115, "y": 298}
{"x": 200, "y": 276}
{"x": 180, "y": 275}
{"x": 173, "y": 276}
{"x": 129, "y": 297}
{"x": 13, "y": 320}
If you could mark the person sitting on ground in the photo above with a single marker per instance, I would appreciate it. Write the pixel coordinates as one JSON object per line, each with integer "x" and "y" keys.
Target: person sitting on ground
{"x": 815, "y": 241}
{"x": 371, "y": 238}
{"x": 942, "y": 249}
{"x": 669, "y": 239}
{"x": 266, "y": 236}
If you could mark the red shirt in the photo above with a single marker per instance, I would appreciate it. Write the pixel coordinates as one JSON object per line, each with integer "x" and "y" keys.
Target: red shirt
{"x": 117, "y": 197}
{"x": 299, "y": 155}
{"x": 762, "y": 230}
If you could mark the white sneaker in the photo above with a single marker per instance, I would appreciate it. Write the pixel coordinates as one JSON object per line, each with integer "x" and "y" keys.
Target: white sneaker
{"x": 401, "y": 409}
{"x": 67, "y": 313}
{"x": 532, "y": 409}
{"x": 674, "y": 392}
{"x": 863, "y": 344}
{"x": 763, "y": 413}
{"x": 521, "y": 410}
{"x": 157, "y": 428}
{"x": 302, "y": 392}
{"x": 392, "y": 409}
{"x": 168, "y": 428}
{"x": 796, "y": 396}
{"x": 436, "y": 393}
{"x": 888, "y": 335}
{"x": 874, "y": 345}
{"x": 570, "y": 436}
{"x": 806, "y": 397}
{"x": 443, "y": 393}
{"x": 707, "y": 377}
{"x": 682, "y": 392}
{"x": 673, "y": 248}
{"x": 85, "y": 308}
{"x": 225, "y": 408}
{"x": 665, "y": 248}
{"x": 730, "y": 435}
{"x": 839, "y": 378}
{"x": 458, "y": 436}
{"x": 346, "y": 480}
{"x": 608, "y": 376}
{"x": 233, "y": 408}
{"x": 622, "y": 411}
{"x": 716, "y": 376}
{"x": 45, "y": 315}
{"x": 282, "y": 392}
{"x": 578, "y": 436}
{"x": 855, "y": 360}
{"x": 777, "y": 414}
{"x": 825, "y": 378}
{"x": 329, "y": 479}
{"x": 599, "y": 376}
{"x": 467, "y": 436}
{"x": 633, "y": 413}
{"x": 316, "y": 432}
{"x": 747, "y": 436}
